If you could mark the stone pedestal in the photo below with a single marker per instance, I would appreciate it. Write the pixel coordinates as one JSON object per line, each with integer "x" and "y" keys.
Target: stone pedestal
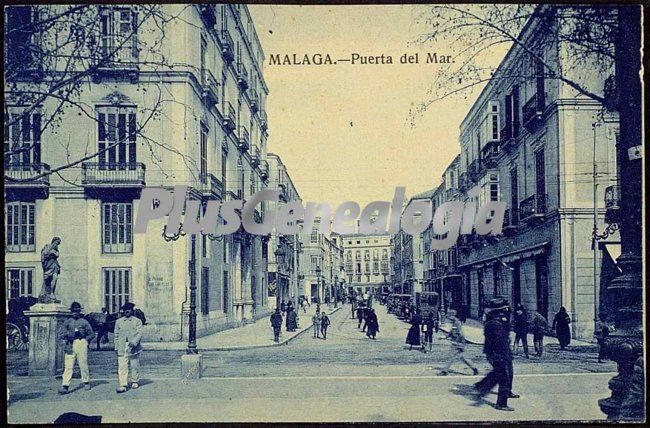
{"x": 191, "y": 366}
{"x": 45, "y": 349}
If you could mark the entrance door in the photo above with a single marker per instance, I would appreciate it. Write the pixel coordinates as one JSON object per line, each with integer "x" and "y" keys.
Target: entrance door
{"x": 314, "y": 293}
{"x": 516, "y": 284}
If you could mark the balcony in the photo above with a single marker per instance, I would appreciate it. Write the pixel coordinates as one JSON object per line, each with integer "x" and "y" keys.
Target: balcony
{"x": 284, "y": 195}
{"x": 244, "y": 139}
{"x": 532, "y": 208}
{"x": 612, "y": 203}
{"x": 242, "y": 76}
{"x": 463, "y": 181}
{"x": 473, "y": 171}
{"x": 255, "y": 156}
{"x": 20, "y": 177}
{"x": 226, "y": 46}
{"x": 113, "y": 175}
{"x": 463, "y": 243}
{"x": 229, "y": 119}
{"x": 489, "y": 155}
{"x": 254, "y": 101}
{"x": 208, "y": 15}
{"x": 451, "y": 194}
{"x": 264, "y": 169}
{"x": 211, "y": 187}
{"x": 263, "y": 120}
{"x": 510, "y": 222}
{"x": 209, "y": 88}
{"x": 533, "y": 111}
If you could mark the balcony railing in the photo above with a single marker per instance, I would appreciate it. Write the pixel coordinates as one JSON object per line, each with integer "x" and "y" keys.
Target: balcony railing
{"x": 263, "y": 119}
{"x": 533, "y": 110}
{"x": 463, "y": 181}
{"x": 510, "y": 221}
{"x": 264, "y": 169}
{"x": 229, "y": 118}
{"x": 532, "y": 207}
{"x": 450, "y": 194}
{"x": 226, "y": 46}
{"x": 242, "y": 76}
{"x": 209, "y": 88}
{"x": 208, "y": 14}
{"x": 489, "y": 155}
{"x": 211, "y": 186}
{"x": 255, "y": 156}
{"x": 255, "y": 104}
{"x": 21, "y": 175}
{"x": 473, "y": 170}
{"x": 244, "y": 139}
{"x": 113, "y": 175}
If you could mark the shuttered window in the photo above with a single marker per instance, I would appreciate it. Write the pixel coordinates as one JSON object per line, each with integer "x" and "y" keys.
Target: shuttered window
{"x": 116, "y": 135}
{"x": 117, "y": 227}
{"x": 19, "y": 226}
{"x": 20, "y": 282}
{"x": 117, "y": 288}
{"x": 22, "y": 138}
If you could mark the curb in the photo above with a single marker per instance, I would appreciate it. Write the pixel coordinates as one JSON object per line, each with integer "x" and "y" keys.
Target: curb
{"x": 241, "y": 347}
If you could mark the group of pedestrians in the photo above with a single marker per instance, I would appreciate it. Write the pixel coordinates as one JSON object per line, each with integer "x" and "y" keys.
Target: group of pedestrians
{"x": 320, "y": 322}
{"x": 368, "y": 317}
{"x": 291, "y": 319}
{"x": 77, "y": 334}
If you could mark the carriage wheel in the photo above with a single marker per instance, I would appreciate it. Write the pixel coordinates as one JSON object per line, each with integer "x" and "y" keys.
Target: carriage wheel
{"x": 14, "y": 338}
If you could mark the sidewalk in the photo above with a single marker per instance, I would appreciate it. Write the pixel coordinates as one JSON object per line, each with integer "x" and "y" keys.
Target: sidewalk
{"x": 255, "y": 335}
{"x": 473, "y": 330}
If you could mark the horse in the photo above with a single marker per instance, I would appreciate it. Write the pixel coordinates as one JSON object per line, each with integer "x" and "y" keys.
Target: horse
{"x": 102, "y": 323}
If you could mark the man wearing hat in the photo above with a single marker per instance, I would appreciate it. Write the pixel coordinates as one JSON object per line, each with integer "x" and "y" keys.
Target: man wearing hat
{"x": 497, "y": 351}
{"x": 128, "y": 333}
{"x": 77, "y": 333}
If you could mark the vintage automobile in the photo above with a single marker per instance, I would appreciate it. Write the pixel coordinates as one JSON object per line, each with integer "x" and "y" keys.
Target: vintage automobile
{"x": 429, "y": 302}
{"x": 404, "y": 306}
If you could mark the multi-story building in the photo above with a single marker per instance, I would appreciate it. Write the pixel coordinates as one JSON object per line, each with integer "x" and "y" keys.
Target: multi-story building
{"x": 284, "y": 263}
{"x": 408, "y": 255}
{"x": 366, "y": 262}
{"x": 200, "y": 123}
{"x": 531, "y": 142}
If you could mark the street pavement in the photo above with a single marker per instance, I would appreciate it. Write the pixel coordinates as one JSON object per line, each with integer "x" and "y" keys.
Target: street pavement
{"x": 347, "y": 377}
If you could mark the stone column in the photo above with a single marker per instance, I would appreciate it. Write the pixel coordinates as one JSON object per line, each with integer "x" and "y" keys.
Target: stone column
{"x": 45, "y": 349}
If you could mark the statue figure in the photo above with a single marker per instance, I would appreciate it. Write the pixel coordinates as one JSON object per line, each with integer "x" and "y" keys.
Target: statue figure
{"x": 51, "y": 270}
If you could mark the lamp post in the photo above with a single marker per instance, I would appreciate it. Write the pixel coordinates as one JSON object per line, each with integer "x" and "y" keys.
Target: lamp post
{"x": 318, "y": 272}
{"x": 279, "y": 260}
{"x": 191, "y": 343}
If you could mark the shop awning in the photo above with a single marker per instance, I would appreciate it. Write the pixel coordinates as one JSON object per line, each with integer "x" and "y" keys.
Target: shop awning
{"x": 511, "y": 256}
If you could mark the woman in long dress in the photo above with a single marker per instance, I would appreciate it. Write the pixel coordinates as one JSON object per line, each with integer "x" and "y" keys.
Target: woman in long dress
{"x": 413, "y": 336}
{"x": 373, "y": 324}
{"x": 561, "y": 324}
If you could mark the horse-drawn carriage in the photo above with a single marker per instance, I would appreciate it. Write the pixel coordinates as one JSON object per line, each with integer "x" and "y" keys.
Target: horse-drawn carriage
{"x": 17, "y": 327}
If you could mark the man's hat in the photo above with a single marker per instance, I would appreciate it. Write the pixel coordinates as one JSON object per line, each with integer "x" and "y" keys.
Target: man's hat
{"x": 128, "y": 305}
{"x": 75, "y": 306}
{"x": 498, "y": 303}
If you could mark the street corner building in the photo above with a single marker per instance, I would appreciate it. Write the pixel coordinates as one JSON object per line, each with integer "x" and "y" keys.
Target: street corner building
{"x": 166, "y": 95}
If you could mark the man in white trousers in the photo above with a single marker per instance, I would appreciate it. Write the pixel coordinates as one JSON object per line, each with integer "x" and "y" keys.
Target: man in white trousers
{"x": 128, "y": 333}
{"x": 77, "y": 334}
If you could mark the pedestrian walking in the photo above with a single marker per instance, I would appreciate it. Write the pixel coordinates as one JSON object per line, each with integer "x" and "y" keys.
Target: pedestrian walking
{"x": 497, "y": 350}
{"x": 292, "y": 320}
{"x": 463, "y": 312}
{"x": 458, "y": 343}
{"x": 561, "y": 325}
{"x": 324, "y": 324}
{"x": 520, "y": 327}
{"x": 413, "y": 336}
{"x": 128, "y": 334}
{"x": 373, "y": 325}
{"x": 601, "y": 331}
{"x": 360, "y": 312}
{"x": 276, "y": 323}
{"x": 428, "y": 327}
{"x": 538, "y": 328}
{"x": 366, "y": 314}
{"x": 77, "y": 334}
{"x": 315, "y": 322}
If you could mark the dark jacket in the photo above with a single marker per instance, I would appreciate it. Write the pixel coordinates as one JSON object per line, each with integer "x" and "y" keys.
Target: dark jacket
{"x": 83, "y": 331}
{"x": 497, "y": 340}
{"x": 276, "y": 320}
{"x": 520, "y": 323}
{"x": 324, "y": 321}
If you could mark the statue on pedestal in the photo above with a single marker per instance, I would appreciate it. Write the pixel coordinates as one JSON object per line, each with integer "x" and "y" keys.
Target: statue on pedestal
{"x": 51, "y": 270}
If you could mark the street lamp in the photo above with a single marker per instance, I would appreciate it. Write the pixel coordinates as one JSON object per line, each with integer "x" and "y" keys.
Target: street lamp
{"x": 318, "y": 272}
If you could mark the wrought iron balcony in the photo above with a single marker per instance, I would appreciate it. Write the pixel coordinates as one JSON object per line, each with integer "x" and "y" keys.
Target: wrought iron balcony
{"x": 255, "y": 156}
{"x": 229, "y": 118}
{"x": 473, "y": 170}
{"x": 263, "y": 120}
{"x": 533, "y": 207}
{"x": 22, "y": 177}
{"x": 227, "y": 46}
{"x": 510, "y": 221}
{"x": 264, "y": 169}
{"x": 244, "y": 139}
{"x": 612, "y": 205}
{"x": 209, "y": 88}
{"x": 211, "y": 186}
{"x": 451, "y": 194}
{"x": 489, "y": 155}
{"x": 208, "y": 14}
{"x": 113, "y": 175}
{"x": 284, "y": 195}
{"x": 533, "y": 110}
{"x": 242, "y": 76}
{"x": 254, "y": 101}
{"x": 463, "y": 181}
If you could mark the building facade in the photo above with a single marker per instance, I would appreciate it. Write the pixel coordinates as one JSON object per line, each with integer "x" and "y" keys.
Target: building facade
{"x": 367, "y": 259}
{"x": 532, "y": 142}
{"x": 200, "y": 123}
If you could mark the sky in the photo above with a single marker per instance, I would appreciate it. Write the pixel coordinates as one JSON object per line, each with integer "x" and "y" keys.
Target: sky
{"x": 344, "y": 131}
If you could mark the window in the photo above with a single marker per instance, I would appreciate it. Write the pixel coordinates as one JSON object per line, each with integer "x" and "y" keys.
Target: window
{"x": 514, "y": 197}
{"x": 540, "y": 173}
{"x": 314, "y": 263}
{"x": 367, "y": 254}
{"x": 117, "y": 288}
{"x": 358, "y": 268}
{"x": 240, "y": 176}
{"x": 22, "y": 134}
{"x": 493, "y": 121}
{"x": 226, "y": 292}
{"x": 494, "y": 191}
{"x": 20, "y": 40}
{"x": 116, "y": 131}
{"x": 375, "y": 267}
{"x": 367, "y": 267}
{"x": 20, "y": 282}
{"x": 203, "y": 49}
{"x": 375, "y": 254}
{"x": 384, "y": 254}
{"x": 205, "y": 290}
{"x": 119, "y": 35}
{"x": 314, "y": 235}
{"x": 19, "y": 226}
{"x": 117, "y": 227}
{"x": 204, "y": 154}
{"x": 224, "y": 161}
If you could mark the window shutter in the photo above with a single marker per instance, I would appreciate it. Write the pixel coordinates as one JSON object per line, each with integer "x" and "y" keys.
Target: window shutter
{"x": 134, "y": 36}
{"x": 36, "y": 132}
{"x": 508, "y": 115}
{"x": 121, "y": 139}
{"x": 132, "y": 136}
